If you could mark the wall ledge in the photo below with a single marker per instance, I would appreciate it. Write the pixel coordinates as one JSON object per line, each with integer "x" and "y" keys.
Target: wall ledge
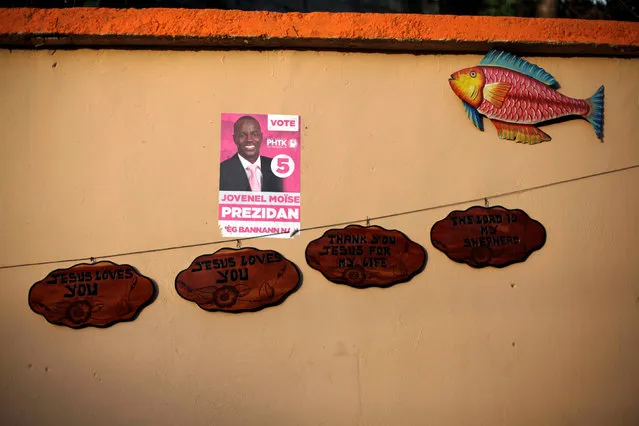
{"x": 232, "y": 29}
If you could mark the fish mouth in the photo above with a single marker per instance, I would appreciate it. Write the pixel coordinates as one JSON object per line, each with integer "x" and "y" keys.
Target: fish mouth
{"x": 451, "y": 78}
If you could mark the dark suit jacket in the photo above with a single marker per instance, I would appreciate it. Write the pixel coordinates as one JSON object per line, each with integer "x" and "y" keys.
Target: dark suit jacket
{"x": 233, "y": 176}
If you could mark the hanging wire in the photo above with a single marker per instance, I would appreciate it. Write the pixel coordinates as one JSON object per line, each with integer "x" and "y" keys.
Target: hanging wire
{"x": 630, "y": 9}
{"x": 311, "y": 228}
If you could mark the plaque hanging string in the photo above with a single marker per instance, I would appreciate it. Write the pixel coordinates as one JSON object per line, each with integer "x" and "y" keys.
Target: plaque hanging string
{"x": 331, "y": 225}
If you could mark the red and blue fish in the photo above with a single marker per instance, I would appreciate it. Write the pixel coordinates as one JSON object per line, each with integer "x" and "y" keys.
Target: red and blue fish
{"x": 517, "y": 95}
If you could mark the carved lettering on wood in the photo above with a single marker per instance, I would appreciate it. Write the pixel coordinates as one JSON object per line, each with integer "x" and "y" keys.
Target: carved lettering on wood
{"x": 488, "y": 236}
{"x": 238, "y": 280}
{"x": 368, "y": 256}
{"x": 98, "y": 295}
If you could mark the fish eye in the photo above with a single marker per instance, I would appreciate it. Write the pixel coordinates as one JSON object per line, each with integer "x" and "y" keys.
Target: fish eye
{"x": 473, "y": 74}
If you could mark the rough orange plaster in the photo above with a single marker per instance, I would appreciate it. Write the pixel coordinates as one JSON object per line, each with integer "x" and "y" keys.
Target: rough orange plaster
{"x": 220, "y": 27}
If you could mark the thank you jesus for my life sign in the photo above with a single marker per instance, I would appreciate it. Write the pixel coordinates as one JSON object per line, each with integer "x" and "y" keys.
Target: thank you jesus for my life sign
{"x": 368, "y": 256}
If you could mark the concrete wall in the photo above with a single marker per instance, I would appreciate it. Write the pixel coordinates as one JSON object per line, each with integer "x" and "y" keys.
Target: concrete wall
{"x": 107, "y": 151}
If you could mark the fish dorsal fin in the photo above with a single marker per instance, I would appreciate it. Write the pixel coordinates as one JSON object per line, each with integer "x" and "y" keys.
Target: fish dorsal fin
{"x": 498, "y": 58}
{"x": 474, "y": 116}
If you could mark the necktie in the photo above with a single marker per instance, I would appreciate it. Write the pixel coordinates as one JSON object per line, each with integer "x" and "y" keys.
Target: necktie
{"x": 256, "y": 186}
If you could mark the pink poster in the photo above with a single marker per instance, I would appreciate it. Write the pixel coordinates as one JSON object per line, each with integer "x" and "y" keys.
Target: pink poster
{"x": 259, "y": 175}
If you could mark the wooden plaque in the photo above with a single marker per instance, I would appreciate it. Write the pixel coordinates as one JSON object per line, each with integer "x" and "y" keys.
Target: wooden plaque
{"x": 97, "y": 295}
{"x": 238, "y": 280}
{"x": 368, "y": 256}
{"x": 488, "y": 236}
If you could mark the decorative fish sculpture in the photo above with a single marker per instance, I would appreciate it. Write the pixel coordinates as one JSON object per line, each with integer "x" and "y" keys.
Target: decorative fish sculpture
{"x": 516, "y": 95}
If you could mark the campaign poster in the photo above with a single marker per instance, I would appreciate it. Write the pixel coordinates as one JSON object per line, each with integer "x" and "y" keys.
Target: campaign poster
{"x": 259, "y": 189}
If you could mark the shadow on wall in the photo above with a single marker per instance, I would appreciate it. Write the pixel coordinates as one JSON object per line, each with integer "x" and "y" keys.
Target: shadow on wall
{"x": 619, "y": 10}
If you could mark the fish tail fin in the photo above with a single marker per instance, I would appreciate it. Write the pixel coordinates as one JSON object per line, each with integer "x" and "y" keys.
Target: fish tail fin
{"x": 596, "y": 114}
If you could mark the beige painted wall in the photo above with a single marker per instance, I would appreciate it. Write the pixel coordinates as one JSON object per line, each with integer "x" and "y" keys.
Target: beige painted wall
{"x": 114, "y": 151}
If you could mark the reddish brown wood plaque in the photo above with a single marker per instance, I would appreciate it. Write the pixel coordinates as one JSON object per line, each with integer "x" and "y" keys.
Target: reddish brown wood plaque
{"x": 99, "y": 295}
{"x": 488, "y": 236}
{"x": 238, "y": 280}
{"x": 368, "y": 256}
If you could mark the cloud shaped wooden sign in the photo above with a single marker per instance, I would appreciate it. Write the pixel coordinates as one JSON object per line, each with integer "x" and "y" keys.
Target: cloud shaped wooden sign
{"x": 368, "y": 256}
{"x": 98, "y": 295}
{"x": 488, "y": 236}
{"x": 238, "y": 280}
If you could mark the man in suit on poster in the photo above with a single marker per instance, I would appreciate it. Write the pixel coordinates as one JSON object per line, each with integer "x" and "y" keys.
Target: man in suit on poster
{"x": 247, "y": 170}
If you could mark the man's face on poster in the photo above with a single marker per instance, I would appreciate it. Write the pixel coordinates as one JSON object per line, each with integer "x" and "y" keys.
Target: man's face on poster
{"x": 248, "y": 138}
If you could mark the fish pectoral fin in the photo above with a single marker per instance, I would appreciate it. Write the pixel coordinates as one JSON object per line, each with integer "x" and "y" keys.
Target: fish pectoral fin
{"x": 520, "y": 133}
{"x": 495, "y": 93}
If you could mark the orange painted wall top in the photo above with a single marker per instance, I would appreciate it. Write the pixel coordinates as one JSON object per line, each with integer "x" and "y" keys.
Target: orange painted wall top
{"x": 207, "y": 28}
